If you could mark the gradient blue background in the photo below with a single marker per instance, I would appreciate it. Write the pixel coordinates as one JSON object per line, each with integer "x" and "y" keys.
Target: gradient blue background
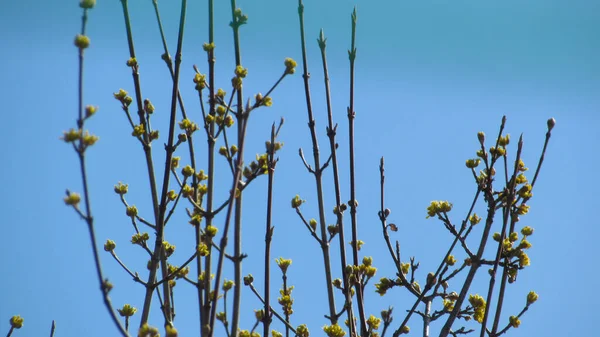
{"x": 430, "y": 75}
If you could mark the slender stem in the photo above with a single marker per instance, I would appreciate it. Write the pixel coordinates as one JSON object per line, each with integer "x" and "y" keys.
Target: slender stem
{"x": 86, "y": 195}
{"x": 169, "y": 155}
{"x": 353, "y": 202}
{"x": 317, "y": 173}
{"x": 149, "y": 164}
{"x": 491, "y": 212}
{"x": 224, "y": 238}
{"x": 275, "y": 313}
{"x": 503, "y": 233}
{"x": 427, "y": 318}
{"x": 242, "y": 121}
{"x": 269, "y": 234}
{"x": 331, "y": 133}
{"x": 206, "y": 327}
{"x": 52, "y": 328}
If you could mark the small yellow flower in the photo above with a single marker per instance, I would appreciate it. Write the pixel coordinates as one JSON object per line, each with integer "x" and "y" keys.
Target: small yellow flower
{"x": 187, "y": 171}
{"x": 172, "y": 195}
{"x": 313, "y": 224}
{"x": 228, "y": 121}
{"x": 201, "y": 175}
{"x": 120, "y": 95}
{"x": 110, "y": 245}
{"x": 405, "y": 268}
{"x": 227, "y": 285}
{"x": 503, "y": 141}
{"x": 532, "y": 297}
{"x": 334, "y": 330}
{"x": 527, "y": 231}
{"x": 437, "y": 207}
{"x": 138, "y": 130}
{"x": 417, "y": 287}
{"x": 337, "y": 283}
{"x": 131, "y": 211}
{"x": 169, "y": 248}
{"x": 296, "y": 201}
{"x": 332, "y": 230}
{"x": 187, "y": 125}
{"x": 373, "y": 322}
{"x": 522, "y": 209}
{"x": 248, "y": 279}
{"x": 171, "y": 331}
{"x": 481, "y": 137}
{"x": 16, "y": 322}
{"x": 90, "y": 110}
{"x": 211, "y": 231}
{"x": 521, "y": 166}
{"x": 514, "y": 321}
{"x": 448, "y": 305}
{"x": 146, "y": 330}
{"x": 82, "y": 41}
{"x": 521, "y": 179}
{"x": 208, "y": 46}
{"x": 89, "y": 139}
{"x": 525, "y": 191}
{"x": 476, "y": 301}
{"x": 500, "y": 151}
{"x": 524, "y": 259}
{"x": 450, "y": 260}
{"x": 283, "y": 264}
{"x": 87, "y": 4}
{"x": 472, "y": 163}
{"x": 524, "y": 244}
{"x": 148, "y": 107}
{"x": 200, "y": 81}
{"x": 202, "y": 249}
{"x": 267, "y": 101}
{"x": 140, "y": 239}
{"x": 290, "y": 65}
{"x": 474, "y": 219}
{"x": 241, "y": 71}
{"x": 175, "y": 162}
{"x": 127, "y": 311}
{"x": 236, "y": 83}
{"x": 132, "y": 62}
{"x": 72, "y": 199}
{"x": 71, "y": 136}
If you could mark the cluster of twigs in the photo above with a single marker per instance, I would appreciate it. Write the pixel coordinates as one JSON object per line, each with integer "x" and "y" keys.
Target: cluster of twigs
{"x": 195, "y": 189}
{"x": 509, "y": 201}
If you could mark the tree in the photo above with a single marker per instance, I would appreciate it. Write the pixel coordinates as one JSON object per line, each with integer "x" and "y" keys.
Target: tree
{"x": 182, "y": 189}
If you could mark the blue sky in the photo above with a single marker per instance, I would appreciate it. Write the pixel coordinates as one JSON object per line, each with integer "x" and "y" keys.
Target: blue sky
{"x": 430, "y": 75}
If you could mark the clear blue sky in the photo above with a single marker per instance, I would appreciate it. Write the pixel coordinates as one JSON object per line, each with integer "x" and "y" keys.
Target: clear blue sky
{"x": 429, "y": 77}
